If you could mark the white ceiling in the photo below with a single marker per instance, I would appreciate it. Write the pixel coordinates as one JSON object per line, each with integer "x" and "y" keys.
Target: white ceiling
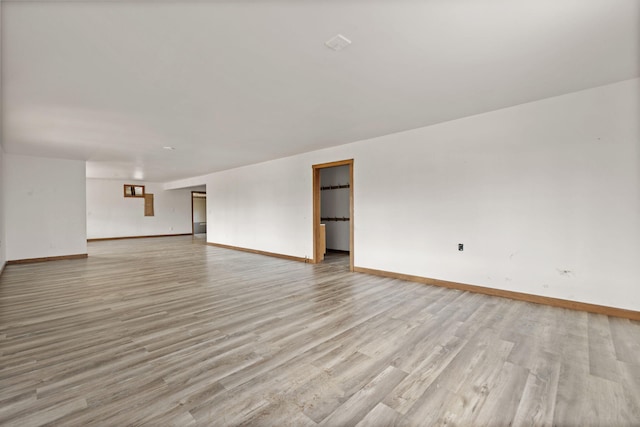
{"x": 230, "y": 83}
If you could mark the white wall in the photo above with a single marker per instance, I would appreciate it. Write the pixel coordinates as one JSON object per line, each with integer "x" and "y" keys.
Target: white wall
{"x": 264, "y": 207}
{"x": 110, "y": 214}
{"x": 335, "y": 203}
{"x": 196, "y": 183}
{"x": 545, "y": 197}
{"x": 3, "y": 255}
{"x": 199, "y": 209}
{"x": 44, "y": 202}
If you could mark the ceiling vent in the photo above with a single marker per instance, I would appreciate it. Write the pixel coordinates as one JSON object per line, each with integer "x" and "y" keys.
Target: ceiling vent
{"x": 338, "y": 42}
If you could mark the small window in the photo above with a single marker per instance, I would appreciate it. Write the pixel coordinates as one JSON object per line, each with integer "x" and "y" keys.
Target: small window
{"x": 133, "y": 190}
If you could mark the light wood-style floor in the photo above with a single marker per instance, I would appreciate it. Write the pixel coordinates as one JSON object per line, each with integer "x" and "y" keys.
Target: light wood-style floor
{"x": 168, "y": 331}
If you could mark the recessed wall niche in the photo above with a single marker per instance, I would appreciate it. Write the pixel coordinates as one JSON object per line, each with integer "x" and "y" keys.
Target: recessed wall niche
{"x": 131, "y": 190}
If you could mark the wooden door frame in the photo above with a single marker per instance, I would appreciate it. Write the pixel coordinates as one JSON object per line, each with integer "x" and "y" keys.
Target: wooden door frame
{"x": 316, "y": 208}
{"x": 193, "y": 231}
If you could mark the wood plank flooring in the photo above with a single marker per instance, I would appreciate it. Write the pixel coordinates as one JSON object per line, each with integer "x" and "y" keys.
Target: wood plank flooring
{"x": 171, "y": 332}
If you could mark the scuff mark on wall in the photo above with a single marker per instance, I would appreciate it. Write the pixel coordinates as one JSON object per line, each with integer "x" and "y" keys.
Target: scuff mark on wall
{"x": 566, "y": 273}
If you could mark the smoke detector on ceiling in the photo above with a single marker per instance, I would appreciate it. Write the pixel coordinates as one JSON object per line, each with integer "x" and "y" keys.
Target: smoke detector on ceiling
{"x": 338, "y": 42}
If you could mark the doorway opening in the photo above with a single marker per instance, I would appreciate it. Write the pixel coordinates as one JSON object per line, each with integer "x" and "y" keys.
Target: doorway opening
{"x": 333, "y": 210}
{"x": 199, "y": 214}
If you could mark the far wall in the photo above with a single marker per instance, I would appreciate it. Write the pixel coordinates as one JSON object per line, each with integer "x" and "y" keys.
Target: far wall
{"x": 3, "y": 255}
{"x": 199, "y": 209}
{"x": 110, "y": 214}
{"x": 335, "y": 203}
{"x": 44, "y": 202}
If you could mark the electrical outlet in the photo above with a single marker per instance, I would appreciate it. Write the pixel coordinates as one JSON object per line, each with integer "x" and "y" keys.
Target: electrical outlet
{"x": 460, "y": 247}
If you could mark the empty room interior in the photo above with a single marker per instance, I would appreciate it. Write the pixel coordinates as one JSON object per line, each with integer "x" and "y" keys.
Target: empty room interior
{"x": 331, "y": 213}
